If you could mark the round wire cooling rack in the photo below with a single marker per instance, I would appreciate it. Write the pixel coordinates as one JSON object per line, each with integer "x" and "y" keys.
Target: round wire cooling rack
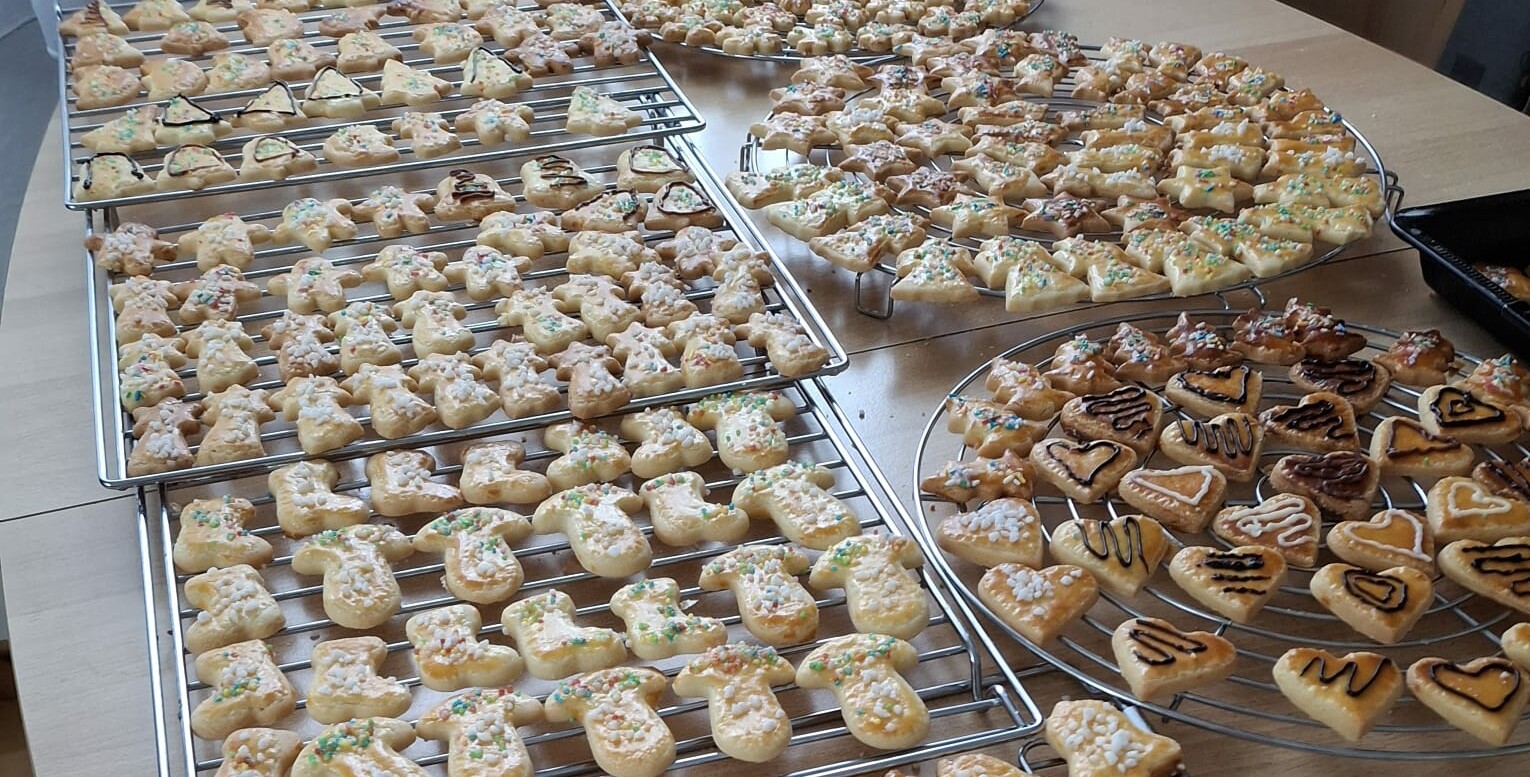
{"x": 754, "y": 158}
{"x": 1457, "y": 625}
{"x": 789, "y": 53}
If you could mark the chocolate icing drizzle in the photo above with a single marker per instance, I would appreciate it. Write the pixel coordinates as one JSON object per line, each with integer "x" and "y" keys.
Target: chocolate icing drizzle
{"x": 1159, "y": 644}
{"x": 1321, "y": 417}
{"x": 558, "y": 172}
{"x": 1128, "y": 410}
{"x": 1231, "y": 438}
{"x": 1122, "y": 540}
{"x": 1084, "y": 448}
{"x": 670, "y": 164}
{"x": 1503, "y": 560}
{"x": 1505, "y": 479}
{"x": 467, "y": 187}
{"x": 1354, "y": 685}
{"x": 1237, "y": 372}
{"x": 1501, "y": 665}
{"x": 1346, "y": 377}
{"x": 1239, "y": 573}
{"x": 89, "y": 177}
{"x": 1454, "y": 408}
{"x": 1378, "y": 590}
{"x": 1343, "y": 474}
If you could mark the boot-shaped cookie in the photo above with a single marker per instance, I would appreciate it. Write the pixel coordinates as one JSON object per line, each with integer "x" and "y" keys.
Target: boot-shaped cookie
{"x": 681, "y": 515}
{"x": 773, "y": 605}
{"x": 450, "y": 656}
{"x": 359, "y": 746}
{"x": 306, "y": 502}
{"x": 879, "y": 593}
{"x": 748, "y": 437}
{"x": 657, "y": 623}
{"x": 247, "y": 690}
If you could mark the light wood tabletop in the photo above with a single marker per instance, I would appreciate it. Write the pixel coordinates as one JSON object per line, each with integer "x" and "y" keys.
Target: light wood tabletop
{"x": 69, "y": 548}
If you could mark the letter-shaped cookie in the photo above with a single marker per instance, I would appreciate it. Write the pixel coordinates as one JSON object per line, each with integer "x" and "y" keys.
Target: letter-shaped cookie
{"x": 879, "y": 593}
{"x": 1098, "y": 740}
{"x": 235, "y": 607}
{"x": 865, "y": 671}
{"x": 401, "y": 485}
{"x": 616, "y": 708}
{"x": 794, "y": 496}
{"x": 669, "y": 443}
{"x": 772, "y": 604}
{"x": 748, "y": 439}
{"x": 480, "y": 566}
{"x": 247, "y": 690}
{"x": 359, "y": 746}
{"x": 658, "y": 625}
{"x": 346, "y": 684}
{"x": 258, "y": 752}
{"x": 213, "y": 535}
{"x": 479, "y": 730}
{"x": 747, "y": 720}
{"x": 596, "y": 520}
{"x": 359, "y": 589}
{"x": 681, "y": 515}
{"x": 590, "y": 455}
{"x": 553, "y": 646}
{"x": 450, "y": 656}
{"x": 306, "y": 502}
{"x": 490, "y": 475}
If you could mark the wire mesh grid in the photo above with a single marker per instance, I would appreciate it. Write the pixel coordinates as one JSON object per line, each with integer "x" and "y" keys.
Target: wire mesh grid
{"x": 753, "y": 157}
{"x": 969, "y": 709}
{"x": 643, "y": 86}
{"x": 115, "y": 427}
{"x": 1457, "y": 625}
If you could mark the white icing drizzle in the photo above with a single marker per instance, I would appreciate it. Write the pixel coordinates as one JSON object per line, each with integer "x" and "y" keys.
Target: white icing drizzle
{"x": 1284, "y": 516}
{"x": 1387, "y": 518}
{"x": 1485, "y": 504}
{"x": 1140, "y": 477}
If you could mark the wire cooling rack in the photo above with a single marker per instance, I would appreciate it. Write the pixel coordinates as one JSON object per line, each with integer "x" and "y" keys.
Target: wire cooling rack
{"x": 1458, "y": 625}
{"x": 878, "y": 302}
{"x": 643, "y": 86}
{"x": 115, "y": 427}
{"x": 975, "y": 700}
{"x": 789, "y": 53}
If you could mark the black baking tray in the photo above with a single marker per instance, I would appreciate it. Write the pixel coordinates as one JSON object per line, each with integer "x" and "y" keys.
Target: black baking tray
{"x": 1452, "y": 236}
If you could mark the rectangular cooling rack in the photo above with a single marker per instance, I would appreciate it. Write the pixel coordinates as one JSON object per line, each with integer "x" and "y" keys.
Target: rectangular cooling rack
{"x": 970, "y": 708}
{"x": 643, "y": 86}
{"x": 115, "y": 427}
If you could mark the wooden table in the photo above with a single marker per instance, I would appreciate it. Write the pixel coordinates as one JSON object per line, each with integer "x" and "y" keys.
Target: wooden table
{"x": 68, "y": 548}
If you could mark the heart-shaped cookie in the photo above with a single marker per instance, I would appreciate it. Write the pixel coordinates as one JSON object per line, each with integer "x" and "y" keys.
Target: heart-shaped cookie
{"x": 1516, "y": 644}
{"x": 1359, "y": 382}
{"x": 1342, "y": 482}
{"x": 1499, "y": 571}
{"x": 1130, "y": 415}
{"x": 1402, "y": 446}
{"x": 1288, "y": 524}
{"x": 1230, "y": 442}
{"x": 1391, "y": 538}
{"x": 1158, "y": 659}
{"x": 1121, "y": 553}
{"x": 1462, "y": 508}
{"x": 1448, "y": 410}
{"x": 1381, "y": 605}
{"x": 1483, "y": 697}
{"x": 1183, "y": 498}
{"x": 1038, "y": 603}
{"x": 1231, "y": 389}
{"x": 1236, "y": 583}
{"x": 1504, "y": 478}
{"x": 1346, "y": 694}
{"x": 1084, "y": 471}
{"x": 1320, "y": 422}
{"x": 1004, "y": 530}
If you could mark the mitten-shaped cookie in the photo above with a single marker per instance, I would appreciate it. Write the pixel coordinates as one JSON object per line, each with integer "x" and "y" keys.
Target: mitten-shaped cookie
{"x": 491, "y": 475}
{"x": 553, "y": 646}
{"x": 462, "y": 398}
{"x": 644, "y": 352}
{"x": 591, "y": 455}
{"x": 359, "y": 746}
{"x": 879, "y": 593}
{"x": 356, "y": 562}
{"x": 707, "y": 357}
{"x": 480, "y": 565}
{"x": 541, "y": 319}
{"x": 235, "y": 607}
{"x": 234, "y": 417}
{"x": 518, "y": 368}
{"x": 478, "y": 728}
{"x": 682, "y": 516}
{"x": 658, "y": 625}
{"x": 450, "y": 656}
{"x": 667, "y": 442}
{"x": 405, "y": 270}
{"x": 773, "y": 605}
{"x": 306, "y": 502}
{"x": 366, "y": 331}
{"x": 401, "y": 485}
{"x": 593, "y": 388}
{"x": 396, "y": 411}
{"x": 865, "y": 671}
{"x": 748, "y": 438}
{"x": 213, "y": 534}
{"x": 258, "y": 752}
{"x": 747, "y": 720}
{"x": 313, "y": 284}
{"x": 317, "y": 404}
{"x": 616, "y": 708}
{"x": 346, "y": 684}
{"x": 435, "y": 324}
{"x": 221, "y": 349}
{"x": 299, "y": 342}
{"x": 596, "y": 520}
{"x": 794, "y": 496}
{"x": 787, "y": 344}
{"x": 247, "y": 690}
{"x": 160, "y": 433}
